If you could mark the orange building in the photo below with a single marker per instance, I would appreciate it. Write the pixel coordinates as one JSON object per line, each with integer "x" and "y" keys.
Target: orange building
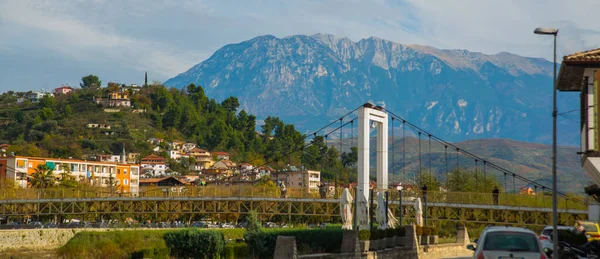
{"x": 94, "y": 172}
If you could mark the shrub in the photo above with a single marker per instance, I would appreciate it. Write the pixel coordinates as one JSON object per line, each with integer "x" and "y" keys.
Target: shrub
{"x": 195, "y": 243}
{"x": 262, "y": 244}
{"x": 113, "y": 244}
{"x": 155, "y": 253}
{"x": 234, "y": 250}
{"x": 364, "y": 234}
{"x": 426, "y": 231}
{"x": 390, "y": 232}
{"x": 419, "y": 230}
{"x": 435, "y": 231}
{"x": 400, "y": 231}
{"x": 374, "y": 234}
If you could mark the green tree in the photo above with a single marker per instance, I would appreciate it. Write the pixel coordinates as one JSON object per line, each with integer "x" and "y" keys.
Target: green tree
{"x": 42, "y": 177}
{"x": 231, "y": 104}
{"x": 350, "y": 159}
{"x": 46, "y": 113}
{"x": 68, "y": 111}
{"x": 66, "y": 179}
{"x": 429, "y": 179}
{"x": 90, "y": 81}
{"x": 470, "y": 181}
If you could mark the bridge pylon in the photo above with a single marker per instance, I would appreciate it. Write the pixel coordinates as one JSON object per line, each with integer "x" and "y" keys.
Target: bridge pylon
{"x": 370, "y": 116}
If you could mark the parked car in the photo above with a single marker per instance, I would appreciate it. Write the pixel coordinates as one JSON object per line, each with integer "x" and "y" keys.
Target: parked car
{"x": 546, "y": 235}
{"x": 35, "y": 224}
{"x": 227, "y": 225}
{"x": 508, "y": 242}
{"x": 271, "y": 225}
{"x": 592, "y": 230}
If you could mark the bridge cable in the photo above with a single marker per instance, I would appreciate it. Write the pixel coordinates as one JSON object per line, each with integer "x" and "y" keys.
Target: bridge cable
{"x": 341, "y": 135}
{"x": 429, "y": 145}
{"x": 404, "y": 149}
{"x": 476, "y": 173}
{"x": 420, "y": 173}
{"x": 457, "y": 165}
{"x": 514, "y": 186}
{"x": 484, "y": 172}
{"x": 505, "y": 190}
{"x": 474, "y": 156}
{"x": 446, "y": 152}
{"x": 393, "y": 148}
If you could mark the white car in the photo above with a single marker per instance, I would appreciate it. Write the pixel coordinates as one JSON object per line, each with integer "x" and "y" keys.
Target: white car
{"x": 546, "y": 235}
{"x": 508, "y": 243}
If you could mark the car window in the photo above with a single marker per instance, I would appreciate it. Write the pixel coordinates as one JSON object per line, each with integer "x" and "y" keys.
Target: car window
{"x": 547, "y": 232}
{"x": 590, "y": 227}
{"x": 511, "y": 241}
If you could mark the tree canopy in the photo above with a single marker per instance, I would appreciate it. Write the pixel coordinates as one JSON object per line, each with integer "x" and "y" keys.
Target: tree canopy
{"x": 90, "y": 81}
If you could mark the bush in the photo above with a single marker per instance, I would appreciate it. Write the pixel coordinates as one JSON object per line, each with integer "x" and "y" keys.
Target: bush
{"x": 113, "y": 244}
{"x": 390, "y": 232}
{"x": 155, "y": 253}
{"x": 364, "y": 234}
{"x": 400, "y": 231}
{"x": 374, "y": 234}
{"x": 426, "y": 231}
{"x": 419, "y": 230}
{"x": 195, "y": 243}
{"x": 235, "y": 250}
{"x": 435, "y": 231}
{"x": 261, "y": 244}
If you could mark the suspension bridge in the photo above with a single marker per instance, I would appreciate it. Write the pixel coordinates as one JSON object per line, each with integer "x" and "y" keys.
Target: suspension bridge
{"x": 512, "y": 208}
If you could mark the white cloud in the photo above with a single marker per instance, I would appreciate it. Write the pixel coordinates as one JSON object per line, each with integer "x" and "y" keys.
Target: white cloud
{"x": 168, "y": 37}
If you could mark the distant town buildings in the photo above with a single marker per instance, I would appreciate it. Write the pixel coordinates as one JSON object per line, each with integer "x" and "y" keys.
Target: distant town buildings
{"x": 153, "y": 166}
{"x": 62, "y": 90}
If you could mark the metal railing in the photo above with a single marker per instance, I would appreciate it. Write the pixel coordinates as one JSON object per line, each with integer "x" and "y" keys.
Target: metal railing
{"x": 512, "y": 200}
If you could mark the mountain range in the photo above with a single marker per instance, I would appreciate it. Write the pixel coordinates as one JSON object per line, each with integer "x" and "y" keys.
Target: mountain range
{"x": 455, "y": 94}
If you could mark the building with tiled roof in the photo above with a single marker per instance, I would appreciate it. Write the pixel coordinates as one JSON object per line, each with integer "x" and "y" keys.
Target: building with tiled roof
{"x": 221, "y": 155}
{"x": 154, "y": 166}
{"x": 580, "y": 72}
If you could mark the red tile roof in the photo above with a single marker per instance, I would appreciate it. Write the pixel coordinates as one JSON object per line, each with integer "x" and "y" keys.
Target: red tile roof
{"x": 592, "y": 56}
{"x": 220, "y": 153}
{"x": 153, "y": 158}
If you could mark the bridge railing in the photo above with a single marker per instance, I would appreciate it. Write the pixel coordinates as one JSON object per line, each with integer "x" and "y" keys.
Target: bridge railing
{"x": 518, "y": 200}
{"x": 504, "y": 199}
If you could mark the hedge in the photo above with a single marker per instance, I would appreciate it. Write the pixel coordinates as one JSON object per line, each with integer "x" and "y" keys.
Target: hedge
{"x": 195, "y": 243}
{"x": 114, "y": 244}
{"x": 234, "y": 250}
{"x": 261, "y": 244}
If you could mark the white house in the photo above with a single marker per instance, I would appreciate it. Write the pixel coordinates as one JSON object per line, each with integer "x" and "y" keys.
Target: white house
{"x": 154, "y": 165}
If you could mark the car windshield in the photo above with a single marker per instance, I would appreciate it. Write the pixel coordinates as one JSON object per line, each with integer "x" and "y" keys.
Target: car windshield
{"x": 511, "y": 241}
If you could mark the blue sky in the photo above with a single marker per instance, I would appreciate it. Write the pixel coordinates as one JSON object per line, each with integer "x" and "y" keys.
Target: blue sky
{"x": 47, "y": 43}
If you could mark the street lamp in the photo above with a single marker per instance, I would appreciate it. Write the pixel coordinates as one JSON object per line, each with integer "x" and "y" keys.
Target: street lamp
{"x": 553, "y": 32}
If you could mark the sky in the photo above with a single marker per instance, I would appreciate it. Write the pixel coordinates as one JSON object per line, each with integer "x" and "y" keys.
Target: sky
{"x": 48, "y": 43}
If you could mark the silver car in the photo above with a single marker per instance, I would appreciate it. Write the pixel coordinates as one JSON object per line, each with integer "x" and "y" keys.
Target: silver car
{"x": 508, "y": 243}
{"x": 546, "y": 235}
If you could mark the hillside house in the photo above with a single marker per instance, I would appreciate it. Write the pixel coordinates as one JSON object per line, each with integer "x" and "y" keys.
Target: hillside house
{"x": 63, "y": 90}
{"x": 221, "y": 155}
{"x": 187, "y": 147}
{"x": 201, "y": 156}
{"x": 227, "y": 166}
{"x": 119, "y": 99}
{"x": 154, "y": 165}
{"x": 35, "y": 97}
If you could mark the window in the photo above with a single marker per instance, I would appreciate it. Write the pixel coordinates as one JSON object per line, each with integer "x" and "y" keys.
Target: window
{"x": 118, "y": 171}
{"x": 511, "y": 241}
{"x": 126, "y": 182}
{"x": 118, "y": 181}
{"x": 124, "y": 171}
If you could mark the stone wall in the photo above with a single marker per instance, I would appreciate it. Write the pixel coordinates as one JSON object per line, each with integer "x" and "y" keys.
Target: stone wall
{"x": 38, "y": 238}
{"x": 443, "y": 250}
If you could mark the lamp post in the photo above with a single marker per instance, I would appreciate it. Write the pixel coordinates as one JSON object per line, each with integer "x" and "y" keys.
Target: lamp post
{"x": 553, "y": 32}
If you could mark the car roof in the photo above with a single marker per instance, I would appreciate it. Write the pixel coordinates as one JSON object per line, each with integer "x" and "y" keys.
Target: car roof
{"x": 559, "y": 227}
{"x": 510, "y": 229}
